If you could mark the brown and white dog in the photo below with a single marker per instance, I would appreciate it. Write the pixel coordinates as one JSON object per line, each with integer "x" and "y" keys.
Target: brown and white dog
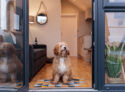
{"x": 10, "y": 65}
{"x": 61, "y": 63}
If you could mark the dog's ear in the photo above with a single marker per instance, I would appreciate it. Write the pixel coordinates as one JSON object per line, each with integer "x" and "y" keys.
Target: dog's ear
{"x": 9, "y": 49}
{"x": 68, "y": 53}
{"x": 12, "y": 50}
{"x": 56, "y": 50}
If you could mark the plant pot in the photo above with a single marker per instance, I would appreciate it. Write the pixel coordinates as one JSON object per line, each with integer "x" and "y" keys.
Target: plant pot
{"x": 114, "y": 72}
{"x": 113, "y": 69}
{"x": 114, "y": 80}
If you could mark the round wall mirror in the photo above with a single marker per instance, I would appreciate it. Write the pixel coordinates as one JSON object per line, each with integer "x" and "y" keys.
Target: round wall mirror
{"x": 41, "y": 18}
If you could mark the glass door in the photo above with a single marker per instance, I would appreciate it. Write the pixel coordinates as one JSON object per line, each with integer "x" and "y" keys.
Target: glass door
{"x": 115, "y": 47}
{"x": 111, "y": 44}
{"x": 13, "y": 45}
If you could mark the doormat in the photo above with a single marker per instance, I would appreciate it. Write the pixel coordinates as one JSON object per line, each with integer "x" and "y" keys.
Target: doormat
{"x": 76, "y": 83}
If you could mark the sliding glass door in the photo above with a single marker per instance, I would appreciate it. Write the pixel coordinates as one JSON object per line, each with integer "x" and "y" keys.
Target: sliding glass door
{"x": 13, "y": 45}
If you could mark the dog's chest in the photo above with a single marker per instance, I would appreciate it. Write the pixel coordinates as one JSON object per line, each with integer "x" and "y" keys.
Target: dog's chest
{"x": 4, "y": 66}
{"x": 62, "y": 66}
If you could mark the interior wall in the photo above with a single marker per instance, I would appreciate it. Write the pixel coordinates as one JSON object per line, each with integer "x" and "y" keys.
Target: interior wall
{"x": 49, "y": 33}
{"x": 84, "y": 27}
{"x": 67, "y": 7}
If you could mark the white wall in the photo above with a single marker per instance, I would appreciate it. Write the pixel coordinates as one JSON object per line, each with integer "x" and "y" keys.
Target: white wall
{"x": 68, "y": 7}
{"x": 49, "y": 33}
{"x": 84, "y": 27}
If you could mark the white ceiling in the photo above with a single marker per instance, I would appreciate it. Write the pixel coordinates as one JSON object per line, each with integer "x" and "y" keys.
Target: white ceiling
{"x": 82, "y": 4}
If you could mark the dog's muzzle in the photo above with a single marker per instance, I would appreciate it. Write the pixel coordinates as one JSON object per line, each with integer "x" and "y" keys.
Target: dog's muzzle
{"x": 64, "y": 48}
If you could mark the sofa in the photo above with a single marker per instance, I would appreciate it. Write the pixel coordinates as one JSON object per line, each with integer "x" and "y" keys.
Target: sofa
{"x": 37, "y": 59}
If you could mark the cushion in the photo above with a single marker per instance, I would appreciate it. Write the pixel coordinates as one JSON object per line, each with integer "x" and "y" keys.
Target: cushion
{"x": 38, "y": 53}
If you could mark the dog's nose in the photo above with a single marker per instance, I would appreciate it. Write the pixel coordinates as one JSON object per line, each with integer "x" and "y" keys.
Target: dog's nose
{"x": 64, "y": 48}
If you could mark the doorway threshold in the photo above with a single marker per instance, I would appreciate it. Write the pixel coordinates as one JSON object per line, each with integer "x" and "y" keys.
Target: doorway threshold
{"x": 63, "y": 90}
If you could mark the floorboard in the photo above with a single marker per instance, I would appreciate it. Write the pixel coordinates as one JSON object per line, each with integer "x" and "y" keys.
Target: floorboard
{"x": 80, "y": 70}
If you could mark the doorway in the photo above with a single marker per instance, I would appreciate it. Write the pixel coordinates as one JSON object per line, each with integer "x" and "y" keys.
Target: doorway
{"x": 41, "y": 53}
{"x": 69, "y": 23}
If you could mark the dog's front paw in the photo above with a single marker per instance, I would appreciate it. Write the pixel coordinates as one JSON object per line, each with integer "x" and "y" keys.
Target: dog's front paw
{"x": 65, "y": 82}
{"x": 54, "y": 82}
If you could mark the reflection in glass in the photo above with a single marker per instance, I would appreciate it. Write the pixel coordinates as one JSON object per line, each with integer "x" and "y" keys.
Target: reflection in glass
{"x": 116, "y": 1}
{"x": 115, "y": 47}
{"x": 11, "y": 44}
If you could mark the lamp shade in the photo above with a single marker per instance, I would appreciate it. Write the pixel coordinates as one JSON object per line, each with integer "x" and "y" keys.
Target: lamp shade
{"x": 31, "y": 19}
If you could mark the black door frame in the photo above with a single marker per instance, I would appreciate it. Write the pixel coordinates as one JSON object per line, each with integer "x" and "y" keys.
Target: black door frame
{"x": 94, "y": 45}
{"x": 26, "y": 45}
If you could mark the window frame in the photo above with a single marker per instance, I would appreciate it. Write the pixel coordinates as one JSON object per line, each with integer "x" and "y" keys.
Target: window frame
{"x": 102, "y": 8}
{"x": 108, "y": 4}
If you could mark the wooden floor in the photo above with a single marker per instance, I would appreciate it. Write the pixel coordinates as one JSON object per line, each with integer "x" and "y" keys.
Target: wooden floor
{"x": 80, "y": 69}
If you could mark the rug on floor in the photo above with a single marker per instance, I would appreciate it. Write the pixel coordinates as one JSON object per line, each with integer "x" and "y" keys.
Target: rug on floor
{"x": 11, "y": 85}
{"x": 76, "y": 83}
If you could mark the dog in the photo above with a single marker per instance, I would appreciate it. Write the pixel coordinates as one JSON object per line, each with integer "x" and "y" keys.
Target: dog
{"x": 10, "y": 66}
{"x": 61, "y": 63}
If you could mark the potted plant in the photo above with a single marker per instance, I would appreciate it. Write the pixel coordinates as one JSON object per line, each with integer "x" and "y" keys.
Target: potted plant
{"x": 114, "y": 60}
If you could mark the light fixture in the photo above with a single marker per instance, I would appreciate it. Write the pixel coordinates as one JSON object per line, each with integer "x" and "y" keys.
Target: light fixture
{"x": 31, "y": 19}
{"x": 41, "y": 16}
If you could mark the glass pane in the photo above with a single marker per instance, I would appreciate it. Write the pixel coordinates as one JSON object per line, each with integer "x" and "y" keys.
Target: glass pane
{"x": 116, "y": 1}
{"x": 115, "y": 47}
{"x": 11, "y": 44}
